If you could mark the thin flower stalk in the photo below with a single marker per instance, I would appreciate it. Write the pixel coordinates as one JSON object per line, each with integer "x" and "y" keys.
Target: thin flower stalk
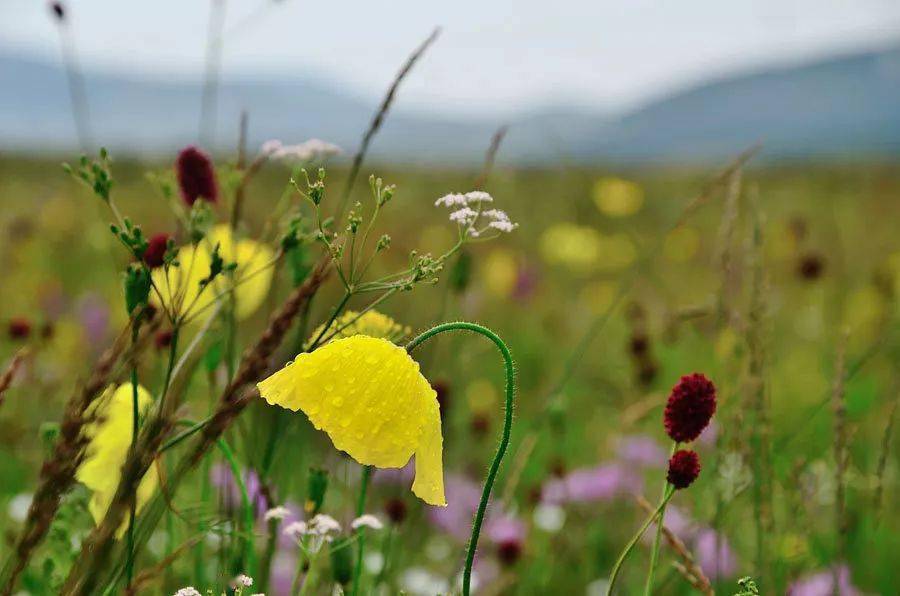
{"x": 504, "y": 439}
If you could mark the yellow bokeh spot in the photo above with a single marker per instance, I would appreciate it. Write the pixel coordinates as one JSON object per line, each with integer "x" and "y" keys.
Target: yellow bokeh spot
{"x": 864, "y": 312}
{"x": 109, "y": 436}
{"x": 576, "y": 247}
{"x": 617, "y": 197}
{"x": 481, "y": 396}
{"x": 681, "y": 245}
{"x": 253, "y": 275}
{"x": 368, "y": 395}
{"x": 500, "y": 271}
{"x": 371, "y": 323}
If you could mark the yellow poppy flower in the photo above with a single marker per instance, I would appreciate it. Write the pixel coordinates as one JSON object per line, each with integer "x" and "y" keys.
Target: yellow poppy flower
{"x": 253, "y": 276}
{"x": 617, "y": 197}
{"x": 371, "y": 323}
{"x": 109, "y": 438}
{"x": 373, "y": 402}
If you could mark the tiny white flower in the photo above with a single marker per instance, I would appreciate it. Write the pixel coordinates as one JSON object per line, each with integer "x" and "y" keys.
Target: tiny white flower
{"x": 549, "y": 518}
{"x": 270, "y": 146}
{"x": 367, "y": 521}
{"x": 18, "y": 507}
{"x": 463, "y": 216}
{"x": 295, "y": 529}
{"x": 188, "y": 591}
{"x": 451, "y": 200}
{"x": 243, "y": 580}
{"x": 279, "y": 512}
{"x": 479, "y": 196}
{"x": 323, "y": 524}
{"x": 496, "y": 214}
{"x": 301, "y": 152}
{"x": 503, "y": 226}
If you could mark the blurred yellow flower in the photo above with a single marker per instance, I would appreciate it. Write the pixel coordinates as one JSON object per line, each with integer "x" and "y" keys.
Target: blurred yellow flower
{"x": 617, "y": 197}
{"x": 681, "y": 245}
{"x": 481, "y": 396}
{"x": 253, "y": 275}
{"x": 109, "y": 437}
{"x": 577, "y": 247}
{"x": 371, "y": 323}
{"x": 864, "y": 314}
{"x": 500, "y": 271}
{"x": 373, "y": 402}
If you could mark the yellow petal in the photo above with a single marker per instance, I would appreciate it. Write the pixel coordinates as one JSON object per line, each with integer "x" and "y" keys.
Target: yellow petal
{"x": 429, "y": 482}
{"x": 253, "y": 275}
{"x": 110, "y": 438}
{"x": 373, "y": 402}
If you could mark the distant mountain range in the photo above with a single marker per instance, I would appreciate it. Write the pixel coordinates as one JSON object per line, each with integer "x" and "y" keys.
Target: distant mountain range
{"x": 840, "y": 106}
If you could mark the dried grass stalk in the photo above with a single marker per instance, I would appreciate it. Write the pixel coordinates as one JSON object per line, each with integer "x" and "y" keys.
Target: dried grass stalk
{"x": 87, "y": 572}
{"x": 57, "y": 473}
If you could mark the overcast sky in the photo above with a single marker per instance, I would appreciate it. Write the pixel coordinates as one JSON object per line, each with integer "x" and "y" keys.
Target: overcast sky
{"x": 493, "y": 55}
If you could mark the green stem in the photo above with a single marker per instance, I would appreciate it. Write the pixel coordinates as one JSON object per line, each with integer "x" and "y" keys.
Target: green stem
{"x": 246, "y": 506}
{"x": 504, "y": 440}
{"x": 360, "y": 509}
{"x": 657, "y": 539}
{"x": 614, "y": 574}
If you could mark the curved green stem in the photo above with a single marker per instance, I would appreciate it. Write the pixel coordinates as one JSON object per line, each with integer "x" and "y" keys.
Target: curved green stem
{"x": 614, "y": 574}
{"x": 504, "y": 440}
{"x": 657, "y": 540}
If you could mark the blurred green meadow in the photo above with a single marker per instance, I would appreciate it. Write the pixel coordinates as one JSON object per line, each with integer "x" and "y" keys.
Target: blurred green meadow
{"x": 606, "y": 293}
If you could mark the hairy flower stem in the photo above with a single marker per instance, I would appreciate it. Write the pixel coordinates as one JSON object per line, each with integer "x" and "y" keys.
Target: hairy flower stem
{"x": 614, "y": 574}
{"x": 360, "y": 509}
{"x": 654, "y": 553}
{"x": 504, "y": 439}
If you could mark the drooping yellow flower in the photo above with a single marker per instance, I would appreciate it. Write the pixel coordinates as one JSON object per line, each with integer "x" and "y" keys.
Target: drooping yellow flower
{"x": 371, "y": 323}
{"x": 373, "y": 402}
{"x": 577, "y": 247}
{"x": 109, "y": 437}
{"x": 617, "y": 197}
{"x": 253, "y": 275}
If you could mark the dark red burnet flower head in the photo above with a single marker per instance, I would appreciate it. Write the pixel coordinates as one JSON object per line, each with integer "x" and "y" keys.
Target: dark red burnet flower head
{"x": 19, "y": 328}
{"x": 684, "y": 467}
{"x": 196, "y": 176}
{"x": 395, "y": 508}
{"x": 509, "y": 551}
{"x": 691, "y": 405}
{"x": 156, "y": 250}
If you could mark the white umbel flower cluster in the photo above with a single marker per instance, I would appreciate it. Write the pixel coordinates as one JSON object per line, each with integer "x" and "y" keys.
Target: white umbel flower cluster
{"x": 469, "y": 213}
{"x": 307, "y": 151}
{"x": 367, "y": 520}
{"x": 280, "y": 512}
{"x": 319, "y": 525}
